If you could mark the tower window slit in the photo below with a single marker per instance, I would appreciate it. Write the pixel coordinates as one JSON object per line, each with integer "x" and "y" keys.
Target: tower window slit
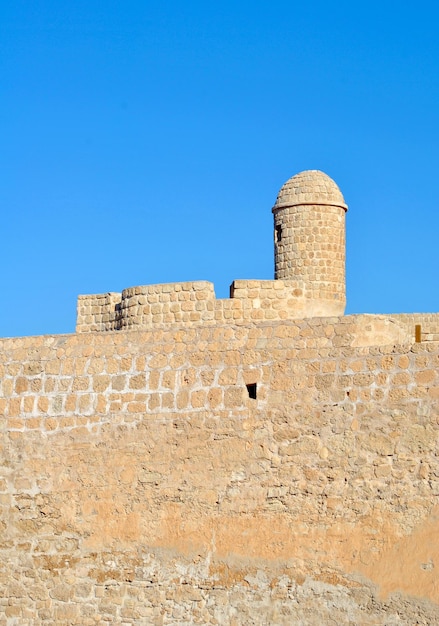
{"x": 252, "y": 390}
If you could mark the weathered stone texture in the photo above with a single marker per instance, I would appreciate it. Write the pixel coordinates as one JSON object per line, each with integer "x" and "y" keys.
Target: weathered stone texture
{"x": 309, "y": 260}
{"x": 248, "y": 461}
{"x": 309, "y": 241}
{"x": 140, "y": 484}
{"x": 194, "y": 304}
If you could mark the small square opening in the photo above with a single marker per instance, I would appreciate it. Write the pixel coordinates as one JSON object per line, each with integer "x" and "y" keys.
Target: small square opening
{"x": 252, "y": 390}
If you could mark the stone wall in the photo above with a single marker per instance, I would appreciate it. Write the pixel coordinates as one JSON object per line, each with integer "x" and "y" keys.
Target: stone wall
{"x": 140, "y": 483}
{"x": 193, "y": 304}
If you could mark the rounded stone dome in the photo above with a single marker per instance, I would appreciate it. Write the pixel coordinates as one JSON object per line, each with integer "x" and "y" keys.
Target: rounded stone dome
{"x": 310, "y": 187}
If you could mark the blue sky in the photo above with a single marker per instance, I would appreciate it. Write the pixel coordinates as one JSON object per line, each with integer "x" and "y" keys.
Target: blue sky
{"x": 145, "y": 142}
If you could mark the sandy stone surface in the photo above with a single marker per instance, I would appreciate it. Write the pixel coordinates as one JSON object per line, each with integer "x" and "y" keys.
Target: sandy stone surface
{"x": 140, "y": 484}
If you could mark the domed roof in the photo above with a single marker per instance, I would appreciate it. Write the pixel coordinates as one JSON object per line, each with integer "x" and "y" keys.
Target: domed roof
{"x": 310, "y": 187}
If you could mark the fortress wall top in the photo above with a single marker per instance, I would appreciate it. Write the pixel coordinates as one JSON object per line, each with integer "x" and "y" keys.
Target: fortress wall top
{"x": 192, "y": 303}
{"x": 147, "y": 306}
{"x": 97, "y": 312}
{"x": 309, "y": 253}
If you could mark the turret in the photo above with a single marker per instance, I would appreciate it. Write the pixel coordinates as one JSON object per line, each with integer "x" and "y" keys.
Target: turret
{"x": 309, "y": 241}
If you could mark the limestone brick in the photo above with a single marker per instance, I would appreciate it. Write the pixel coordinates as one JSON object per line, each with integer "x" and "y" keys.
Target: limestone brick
{"x": 152, "y": 440}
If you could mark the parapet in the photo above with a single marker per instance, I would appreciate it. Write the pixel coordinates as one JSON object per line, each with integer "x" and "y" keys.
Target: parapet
{"x": 191, "y": 303}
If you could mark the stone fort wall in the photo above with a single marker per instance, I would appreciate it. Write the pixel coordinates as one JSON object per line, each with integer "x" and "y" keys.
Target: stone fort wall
{"x": 309, "y": 268}
{"x": 251, "y": 301}
{"x": 257, "y": 460}
{"x": 192, "y": 304}
{"x": 272, "y": 472}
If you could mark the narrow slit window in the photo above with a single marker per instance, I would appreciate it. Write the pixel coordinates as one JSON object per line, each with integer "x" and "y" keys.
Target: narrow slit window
{"x": 278, "y": 233}
{"x": 252, "y": 390}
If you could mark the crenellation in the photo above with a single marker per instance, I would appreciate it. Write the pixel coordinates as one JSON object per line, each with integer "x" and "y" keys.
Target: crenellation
{"x": 195, "y": 304}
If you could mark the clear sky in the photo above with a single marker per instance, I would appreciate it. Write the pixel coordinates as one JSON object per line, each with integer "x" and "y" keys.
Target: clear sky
{"x": 145, "y": 142}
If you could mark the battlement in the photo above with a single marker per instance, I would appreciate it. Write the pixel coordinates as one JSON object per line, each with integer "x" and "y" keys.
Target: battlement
{"x": 309, "y": 253}
{"x": 192, "y": 303}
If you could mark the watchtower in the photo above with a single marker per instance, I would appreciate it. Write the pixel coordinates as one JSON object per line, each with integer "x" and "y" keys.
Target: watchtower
{"x": 309, "y": 241}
